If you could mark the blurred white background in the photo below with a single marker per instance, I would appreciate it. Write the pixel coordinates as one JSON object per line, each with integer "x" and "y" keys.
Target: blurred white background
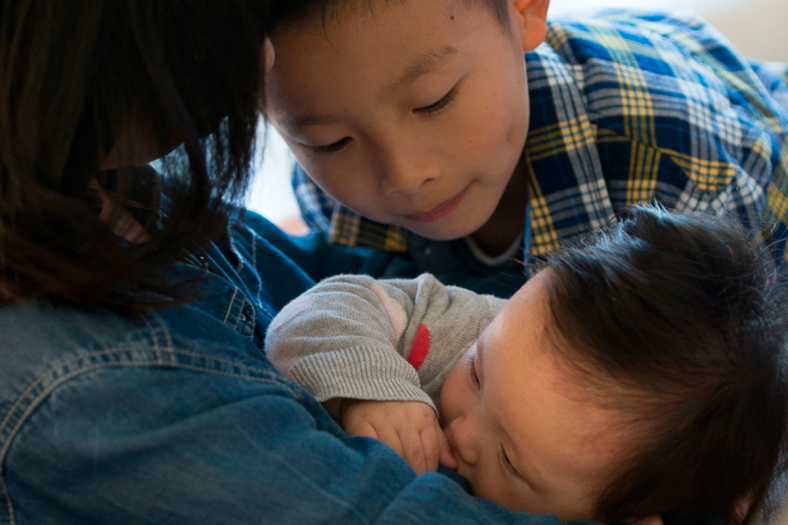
{"x": 756, "y": 27}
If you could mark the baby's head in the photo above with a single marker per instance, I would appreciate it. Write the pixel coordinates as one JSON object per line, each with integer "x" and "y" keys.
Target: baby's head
{"x": 641, "y": 373}
{"x": 409, "y": 112}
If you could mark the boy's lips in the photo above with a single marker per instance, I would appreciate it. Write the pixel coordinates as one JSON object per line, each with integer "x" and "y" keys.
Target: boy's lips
{"x": 440, "y": 211}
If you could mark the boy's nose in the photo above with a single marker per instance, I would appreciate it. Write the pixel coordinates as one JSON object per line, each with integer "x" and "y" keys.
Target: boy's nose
{"x": 407, "y": 173}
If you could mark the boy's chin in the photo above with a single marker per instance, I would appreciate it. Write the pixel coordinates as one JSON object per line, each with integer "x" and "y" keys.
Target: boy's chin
{"x": 446, "y": 230}
{"x": 439, "y": 234}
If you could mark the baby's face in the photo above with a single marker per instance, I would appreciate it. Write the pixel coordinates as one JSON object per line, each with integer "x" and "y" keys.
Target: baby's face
{"x": 411, "y": 113}
{"x": 521, "y": 434}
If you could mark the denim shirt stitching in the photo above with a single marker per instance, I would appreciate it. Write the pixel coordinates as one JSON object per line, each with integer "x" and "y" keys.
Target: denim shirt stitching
{"x": 253, "y": 236}
{"x": 9, "y": 505}
{"x": 230, "y": 306}
{"x": 254, "y": 264}
{"x": 55, "y": 376}
{"x": 231, "y": 242}
{"x": 246, "y": 268}
{"x": 240, "y": 314}
{"x": 158, "y": 332}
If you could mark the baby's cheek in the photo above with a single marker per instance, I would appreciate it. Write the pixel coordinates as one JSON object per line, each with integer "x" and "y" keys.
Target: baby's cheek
{"x": 506, "y": 493}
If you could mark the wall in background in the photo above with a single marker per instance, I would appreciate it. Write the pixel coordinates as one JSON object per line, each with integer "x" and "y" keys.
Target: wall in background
{"x": 756, "y": 27}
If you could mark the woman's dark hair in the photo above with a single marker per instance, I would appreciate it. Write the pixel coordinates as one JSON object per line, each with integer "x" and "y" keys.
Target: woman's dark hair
{"x": 76, "y": 75}
{"x": 686, "y": 316}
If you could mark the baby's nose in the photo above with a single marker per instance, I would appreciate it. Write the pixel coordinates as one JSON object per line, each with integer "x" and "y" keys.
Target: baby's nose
{"x": 462, "y": 439}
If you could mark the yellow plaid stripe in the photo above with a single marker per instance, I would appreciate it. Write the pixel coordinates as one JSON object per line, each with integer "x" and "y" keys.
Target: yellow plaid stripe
{"x": 776, "y": 208}
{"x": 708, "y": 175}
{"x": 643, "y": 173}
{"x": 637, "y": 107}
{"x": 560, "y": 138}
{"x": 344, "y": 229}
{"x": 777, "y": 195}
{"x": 544, "y": 237}
{"x": 350, "y": 229}
{"x": 556, "y": 38}
{"x": 396, "y": 240}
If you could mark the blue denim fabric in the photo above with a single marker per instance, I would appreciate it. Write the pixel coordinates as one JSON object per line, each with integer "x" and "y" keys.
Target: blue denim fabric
{"x": 177, "y": 418}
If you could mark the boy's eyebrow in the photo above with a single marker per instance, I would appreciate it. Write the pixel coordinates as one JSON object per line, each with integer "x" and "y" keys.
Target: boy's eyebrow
{"x": 294, "y": 121}
{"x": 422, "y": 64}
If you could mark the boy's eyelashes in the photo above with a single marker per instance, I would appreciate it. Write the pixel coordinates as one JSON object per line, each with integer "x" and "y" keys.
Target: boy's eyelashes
{"x": 432, "y": 109}
{"x": 440, "y": 105}
{"x": 330, "y": 148}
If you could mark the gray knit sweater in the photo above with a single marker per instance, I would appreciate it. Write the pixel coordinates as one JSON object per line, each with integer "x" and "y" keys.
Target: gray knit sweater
{"x": 355, "y": 337}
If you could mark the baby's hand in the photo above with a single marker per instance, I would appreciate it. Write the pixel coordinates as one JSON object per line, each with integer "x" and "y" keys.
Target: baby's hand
{"x": 409, "y": 427}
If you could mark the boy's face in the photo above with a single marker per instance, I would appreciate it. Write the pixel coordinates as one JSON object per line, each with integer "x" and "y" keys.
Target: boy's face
{"x": 410, "y": 113}
{"x": 521, "y": 433}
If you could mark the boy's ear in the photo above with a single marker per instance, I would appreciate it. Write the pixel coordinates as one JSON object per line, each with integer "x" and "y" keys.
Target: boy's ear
{"x": 268, "y": 54}
{"x": 534, "y": 20}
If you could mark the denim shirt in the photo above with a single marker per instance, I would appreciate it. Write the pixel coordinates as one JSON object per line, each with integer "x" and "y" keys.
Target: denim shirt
{"x": 177, "y": 417}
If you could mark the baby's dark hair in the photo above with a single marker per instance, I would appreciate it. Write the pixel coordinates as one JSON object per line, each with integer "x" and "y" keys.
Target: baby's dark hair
{"x": 684, "y": 316}
{"x": 298, "y": 9}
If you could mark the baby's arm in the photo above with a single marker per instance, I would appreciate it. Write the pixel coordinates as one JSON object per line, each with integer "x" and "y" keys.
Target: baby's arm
{"x": 353, "y": 338}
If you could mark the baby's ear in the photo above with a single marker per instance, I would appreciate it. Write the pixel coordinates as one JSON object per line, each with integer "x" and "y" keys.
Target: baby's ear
{"x": 534, "y": 21}
{"x": 654, "y": 519}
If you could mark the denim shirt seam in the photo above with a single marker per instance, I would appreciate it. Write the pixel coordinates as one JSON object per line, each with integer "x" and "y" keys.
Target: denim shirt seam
{"x": 157, "y": 331}
{"x": 242, "y": 265}
{"x": 56, "y": 376}
{"x": 8, "y": 503}
{"x": 230, "y": 306}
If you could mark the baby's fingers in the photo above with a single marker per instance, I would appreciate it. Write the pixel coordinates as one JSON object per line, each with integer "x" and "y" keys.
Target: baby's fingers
{"x": 431, "y": 444}
{"x": 413, "y": 449}
{"x": 361, "y": 428}
{"x": 391, "y": 437}
{"x": 446, "y": 455}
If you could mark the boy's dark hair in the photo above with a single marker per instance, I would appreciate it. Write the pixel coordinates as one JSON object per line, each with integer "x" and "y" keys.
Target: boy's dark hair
{"x": 73, "y": 77}
{"x": 686, "y": 316}
{"x": 327, "y": 8}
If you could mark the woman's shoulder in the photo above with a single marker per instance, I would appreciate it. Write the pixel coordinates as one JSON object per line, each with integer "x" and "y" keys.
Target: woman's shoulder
{"x": 86, "y": 391}
{"x": 48, "y": 348}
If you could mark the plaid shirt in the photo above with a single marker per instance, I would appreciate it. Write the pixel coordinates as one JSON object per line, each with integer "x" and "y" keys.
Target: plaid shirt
{"x": 630, "y": 108}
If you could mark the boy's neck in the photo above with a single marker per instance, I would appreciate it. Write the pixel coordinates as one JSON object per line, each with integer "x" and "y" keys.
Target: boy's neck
{"x": 508, "y": 220}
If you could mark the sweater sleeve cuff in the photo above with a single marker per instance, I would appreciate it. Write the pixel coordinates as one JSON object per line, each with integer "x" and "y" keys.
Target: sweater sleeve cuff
{"x": 359, "y": 373}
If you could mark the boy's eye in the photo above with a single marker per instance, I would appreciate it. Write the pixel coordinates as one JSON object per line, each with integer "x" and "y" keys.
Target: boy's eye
{"x": 472, "y": 369}
{"x": 334, "y": 146}
{"x": 442, "y": 104}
